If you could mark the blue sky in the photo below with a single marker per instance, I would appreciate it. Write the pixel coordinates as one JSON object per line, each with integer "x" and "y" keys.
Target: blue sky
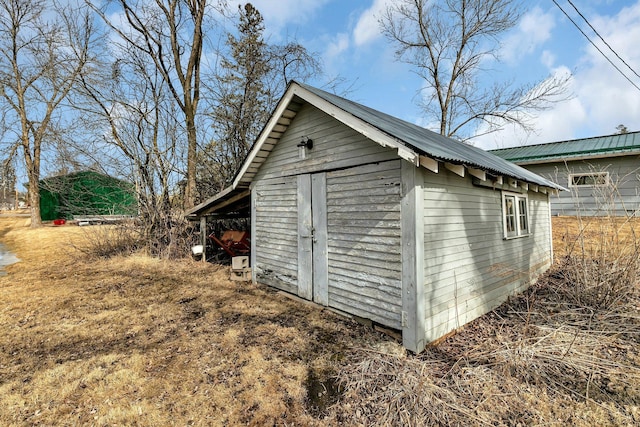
{"x": 345, "y": 34}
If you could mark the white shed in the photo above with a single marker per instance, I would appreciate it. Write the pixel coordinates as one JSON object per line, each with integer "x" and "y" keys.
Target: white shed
{"x": 376, "y": 217}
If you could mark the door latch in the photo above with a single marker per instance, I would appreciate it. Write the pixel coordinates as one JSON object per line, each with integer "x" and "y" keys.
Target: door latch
{"x": 311, "y": 236}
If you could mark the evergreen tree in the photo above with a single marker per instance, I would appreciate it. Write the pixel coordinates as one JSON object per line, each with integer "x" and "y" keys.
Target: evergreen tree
{"x": 243, "y": 101}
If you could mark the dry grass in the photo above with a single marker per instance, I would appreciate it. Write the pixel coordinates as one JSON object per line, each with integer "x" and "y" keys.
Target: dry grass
{"x": 138, "y": 341}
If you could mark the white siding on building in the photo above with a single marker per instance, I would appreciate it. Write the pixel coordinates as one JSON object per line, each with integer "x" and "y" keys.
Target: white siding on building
{"x": 620, "y": 198}
{"x": 335, "y": 146}
{"x": 469, "y": 267}
{"x": 276, "y": 234}
{"x": 362, "y": 217}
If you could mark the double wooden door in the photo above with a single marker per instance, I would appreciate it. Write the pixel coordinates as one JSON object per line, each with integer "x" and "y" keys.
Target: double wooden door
{"x": 334, "y": 238}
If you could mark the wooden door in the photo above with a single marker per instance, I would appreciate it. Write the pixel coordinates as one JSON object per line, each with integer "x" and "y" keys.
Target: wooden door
{"x": 312, "y": 238}
{"x": 364, "y": 241}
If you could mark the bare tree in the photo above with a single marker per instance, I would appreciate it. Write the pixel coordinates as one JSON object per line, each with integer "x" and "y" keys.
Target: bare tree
{"x": 171, "y": 34}
{"x": 447, "y": 43}
{"x": 44, "y": 46}
{"x": 135, "y": 118}
{"x": 621, "y": 129}
{"x": 291, "y": 61}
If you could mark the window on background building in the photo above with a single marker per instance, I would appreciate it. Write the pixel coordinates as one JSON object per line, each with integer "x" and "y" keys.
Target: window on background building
{"x": 597, "y": 179}
{"x": 515, "y": 215}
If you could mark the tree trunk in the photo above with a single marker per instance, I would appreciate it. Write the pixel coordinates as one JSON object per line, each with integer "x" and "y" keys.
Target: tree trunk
{"x": 34, "y": 199}
{"x": 190, "y": 187}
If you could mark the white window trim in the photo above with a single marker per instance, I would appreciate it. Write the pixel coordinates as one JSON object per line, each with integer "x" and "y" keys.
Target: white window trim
{"x": 603, "y": 173}
{"x": 518, "y": 232}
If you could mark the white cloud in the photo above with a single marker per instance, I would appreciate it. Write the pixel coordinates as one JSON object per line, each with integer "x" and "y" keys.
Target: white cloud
{"x": 367, "y": 28}
{"x": 602, "y": 98}
{"x": 335, "y": 48}
{"x": 533, "y": 30}
{"x": 548, "y": 59}
{"x": 557, "y": 124}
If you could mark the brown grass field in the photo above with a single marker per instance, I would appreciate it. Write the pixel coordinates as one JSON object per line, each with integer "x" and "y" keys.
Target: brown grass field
{"x": 140, "y": 341}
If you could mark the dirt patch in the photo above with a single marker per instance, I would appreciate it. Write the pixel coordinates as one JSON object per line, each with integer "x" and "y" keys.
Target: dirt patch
{"x": 323, "y": 391}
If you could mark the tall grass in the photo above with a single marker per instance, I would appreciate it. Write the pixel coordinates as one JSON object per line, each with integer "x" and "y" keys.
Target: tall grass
{"x": 562, "y": 353}
{"x": 169, "y": 237}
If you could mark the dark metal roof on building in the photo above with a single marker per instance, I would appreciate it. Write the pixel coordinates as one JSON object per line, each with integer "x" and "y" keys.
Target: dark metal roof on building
{"x": 600, "y": 146}
{"x": 431, "y": 143}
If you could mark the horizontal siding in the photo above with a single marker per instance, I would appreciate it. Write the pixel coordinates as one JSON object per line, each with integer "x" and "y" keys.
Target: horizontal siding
{"x": 335, "y": 146}
{"x": 277, "y": 233}
{"x": 469, "y": 268}
{"x": 363, "y": 241}
{"x": 621, "y": 198}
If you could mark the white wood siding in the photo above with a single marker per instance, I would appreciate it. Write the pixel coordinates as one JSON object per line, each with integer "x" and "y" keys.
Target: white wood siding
{"x": 469, "y": 268}
{"x": 363, "y": 240}
{"x": 334, "y": 146}
{"x": 276, "y": 233}
{"x": 622, "y": 197}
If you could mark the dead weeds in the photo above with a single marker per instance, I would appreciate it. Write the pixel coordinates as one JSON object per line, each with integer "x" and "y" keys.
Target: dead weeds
{"x": 139, "y": 341}
{"x": 551, "y": 356}
{"x": 136, "y": 340}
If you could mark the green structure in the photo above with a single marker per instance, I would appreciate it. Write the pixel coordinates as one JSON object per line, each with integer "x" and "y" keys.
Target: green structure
{"x": 85, "y": 194}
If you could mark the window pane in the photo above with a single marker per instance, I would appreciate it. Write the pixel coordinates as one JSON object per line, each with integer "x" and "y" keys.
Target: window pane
{"x": 589, "y": 180}
{"x": 510, "y": 214}
{"x": 522, "y": 211}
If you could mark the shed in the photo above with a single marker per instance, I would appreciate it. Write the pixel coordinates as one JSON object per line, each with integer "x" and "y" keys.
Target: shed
{"x": 379, "y": 218}
{"x": 86, "y": 194}
{"x": 602, "y": 173}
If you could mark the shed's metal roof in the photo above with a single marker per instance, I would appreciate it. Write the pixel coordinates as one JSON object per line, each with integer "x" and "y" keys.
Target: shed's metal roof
{"x": 600, "y": 146}
{"x": 431, "y": 143}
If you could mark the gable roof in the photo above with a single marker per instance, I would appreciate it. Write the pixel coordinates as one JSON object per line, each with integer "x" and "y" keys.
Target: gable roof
{"x": 575, "y": 149}
{"x": 413, "y": 143}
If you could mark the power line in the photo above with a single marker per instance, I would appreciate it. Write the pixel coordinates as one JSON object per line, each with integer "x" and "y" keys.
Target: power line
{"x": 601, "y": 38}
{"x": 594, "y": 45}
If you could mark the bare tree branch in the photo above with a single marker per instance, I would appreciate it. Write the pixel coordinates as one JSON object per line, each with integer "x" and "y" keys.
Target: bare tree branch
{"x": 171, "y": 34}
{"x": 447, "y": 43}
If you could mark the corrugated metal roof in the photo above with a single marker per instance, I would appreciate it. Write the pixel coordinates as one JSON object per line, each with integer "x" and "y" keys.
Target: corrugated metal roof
{"x": 600, "y": 146}
{"x": 431, "y": 143}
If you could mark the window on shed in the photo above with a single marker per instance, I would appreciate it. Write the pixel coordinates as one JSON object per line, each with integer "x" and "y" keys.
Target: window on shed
{"x": 515, "y": 213}
{"x": 597, "y": 179}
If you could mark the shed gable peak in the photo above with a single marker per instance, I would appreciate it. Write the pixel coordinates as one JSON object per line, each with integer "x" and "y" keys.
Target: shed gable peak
{"x": 419, "y": 146}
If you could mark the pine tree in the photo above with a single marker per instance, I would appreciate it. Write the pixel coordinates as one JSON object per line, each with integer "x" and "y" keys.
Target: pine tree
{"x": 243, "y": 104}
